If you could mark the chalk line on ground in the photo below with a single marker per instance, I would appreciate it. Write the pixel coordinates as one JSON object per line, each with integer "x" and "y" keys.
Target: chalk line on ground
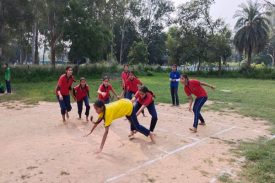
{"x": 147, "y": 163}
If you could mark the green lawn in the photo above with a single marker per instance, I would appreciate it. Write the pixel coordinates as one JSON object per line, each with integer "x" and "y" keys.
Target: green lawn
{"x": 250, "y": 97}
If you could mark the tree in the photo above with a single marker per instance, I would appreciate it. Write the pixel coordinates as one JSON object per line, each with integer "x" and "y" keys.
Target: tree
{"x": 172, "y": 44}
{"x": 195, "y": 27}
{"x": 55, "y": 11}
{"x": 252, "y": 29}
{"x": 89, "y": 37}
{"x": 15, "y": 28}
{"x": 219, "y": 47}
{"x": 138, "y": 53}
{"x": 151, "y": 17}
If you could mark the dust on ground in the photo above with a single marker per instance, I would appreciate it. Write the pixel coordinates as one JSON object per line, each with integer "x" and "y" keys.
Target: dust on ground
{"x": 37, "y": 147}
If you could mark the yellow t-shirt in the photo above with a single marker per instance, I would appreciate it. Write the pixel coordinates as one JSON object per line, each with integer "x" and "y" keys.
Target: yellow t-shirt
{"x": 115, "y": 110}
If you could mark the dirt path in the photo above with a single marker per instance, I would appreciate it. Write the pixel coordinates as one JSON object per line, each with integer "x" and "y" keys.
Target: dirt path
{"x": 37, "y": 147}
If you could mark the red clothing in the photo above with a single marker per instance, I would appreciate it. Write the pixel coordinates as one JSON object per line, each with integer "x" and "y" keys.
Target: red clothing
{"x": 147, "y": 100}
{"x": 64, "y": 84}
{"x": 80, "y": 93}
{"x": 107, "y": 89}
{"x": 124, "y": 77}
{"x": 194, "y": 87}
{"x": 132, "y": 85}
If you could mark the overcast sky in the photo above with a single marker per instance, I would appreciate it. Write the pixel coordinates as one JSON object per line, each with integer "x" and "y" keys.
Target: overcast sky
{"x": 222, "y": 9}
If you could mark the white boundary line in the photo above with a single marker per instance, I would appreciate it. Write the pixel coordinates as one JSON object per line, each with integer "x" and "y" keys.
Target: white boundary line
{"x": 147, "y": 163}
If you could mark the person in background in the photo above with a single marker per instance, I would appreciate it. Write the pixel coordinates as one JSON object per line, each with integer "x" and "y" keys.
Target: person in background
{"x": 81, "y": 94}
{"x": 104, "y": 90}
{"x": 174, "y": 84}
{"x": 63, "y": 90}
{"x": 124, "y": 77}
{"x": 7, "y": 77}
{"x": 132, "y": 84}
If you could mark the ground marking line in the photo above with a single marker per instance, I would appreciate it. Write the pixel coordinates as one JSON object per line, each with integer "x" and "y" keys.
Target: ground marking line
{"x": 147, "y": 163}
{"x": 182, "y": 116}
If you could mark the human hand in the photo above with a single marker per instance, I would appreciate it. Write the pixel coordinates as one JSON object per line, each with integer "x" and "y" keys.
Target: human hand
{"x": 60, "y": 97}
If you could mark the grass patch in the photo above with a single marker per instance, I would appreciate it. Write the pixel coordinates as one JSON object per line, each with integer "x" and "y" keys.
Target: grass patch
{"x": 260, "y": 156}
{"x": 226, "y": 178}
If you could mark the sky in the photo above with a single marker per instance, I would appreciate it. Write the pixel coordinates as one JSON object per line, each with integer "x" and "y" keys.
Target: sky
{"x": 222, "y": 9}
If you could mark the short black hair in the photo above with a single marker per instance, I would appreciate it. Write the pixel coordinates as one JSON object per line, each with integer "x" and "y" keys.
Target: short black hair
{"x": 68, "y": 67}
{"x": 105, "y": 77}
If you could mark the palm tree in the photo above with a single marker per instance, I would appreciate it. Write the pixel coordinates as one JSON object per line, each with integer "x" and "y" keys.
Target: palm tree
{"x": 252, "y": 29}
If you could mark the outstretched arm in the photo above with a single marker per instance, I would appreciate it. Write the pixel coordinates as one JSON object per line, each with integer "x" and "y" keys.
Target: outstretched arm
{"x": 114, "y": 92}
{"x": 133, "y": 100}
{"x": 95, "y": 125}
{"x": 141, "y": 109}
{"x": 208, "y": 85}
{"x": 104, "y": 139}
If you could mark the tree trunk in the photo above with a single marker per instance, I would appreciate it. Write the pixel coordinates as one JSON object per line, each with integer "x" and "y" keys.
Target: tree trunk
{"x": 273, "y": 55}
{"x": 36, "y": 55}
{"x": 52, "y": 45}
{"x": 199, "y": 65}
{"x": 249, "y": 57}
{"x": 53, "y": 38}
{"x": 220, "y": 67}
{"x": 34, "y": 42}
{"x": 121, "y": 42}
{"x": 1, "y": 28}
{"x": 34, "y": 34}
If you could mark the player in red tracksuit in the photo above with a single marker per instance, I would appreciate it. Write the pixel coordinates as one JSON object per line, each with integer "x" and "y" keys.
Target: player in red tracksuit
{"x": 144, "y": 98}
{"x": 132, "y": 84}
{"x": 195, "y": 87}
{"x": 63, "y": 88}
{"x": 124, "y": 77}
{"x": 104, "y": 91}
{"x": 81, "y": 94}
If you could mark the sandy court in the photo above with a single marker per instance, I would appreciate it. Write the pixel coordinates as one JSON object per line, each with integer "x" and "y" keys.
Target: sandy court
{"x": 37, "y": 147}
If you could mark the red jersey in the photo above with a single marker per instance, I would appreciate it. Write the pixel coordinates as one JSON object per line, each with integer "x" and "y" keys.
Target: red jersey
{"x": 64, "y": 84}
{"x": 124, "y": 77}
{"x": 80, "y": 93}
{"x": 132, "y": 85}
{"x": 106, "y": 89}
{"x": 194, "y": 87}
{"x": 147, "y": 100}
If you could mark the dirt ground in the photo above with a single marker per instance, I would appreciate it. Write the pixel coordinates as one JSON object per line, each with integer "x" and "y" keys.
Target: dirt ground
{"x": 37, "y": 147}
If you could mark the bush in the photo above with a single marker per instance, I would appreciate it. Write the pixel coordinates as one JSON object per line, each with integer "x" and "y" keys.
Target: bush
{"x": 258, "y": 72}
{"x": 35, "y": 73}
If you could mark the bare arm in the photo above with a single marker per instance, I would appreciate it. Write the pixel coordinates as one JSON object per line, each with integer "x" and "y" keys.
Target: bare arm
{"x": 71, "y": 93}
{"x": 114, "y": 92}
{"x": 99, "y": 92}
{"x": 208, "y": 85}
{"x": 59, "y": 95}
{"x": 141, "y": 109}
{"x": 133, "y": 99}
{"x": 95, "y": 125}
{"x": 104, "y": 139}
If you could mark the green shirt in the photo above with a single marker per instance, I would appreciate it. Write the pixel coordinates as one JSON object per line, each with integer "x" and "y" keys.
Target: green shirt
{"x": 8, "y": 74}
